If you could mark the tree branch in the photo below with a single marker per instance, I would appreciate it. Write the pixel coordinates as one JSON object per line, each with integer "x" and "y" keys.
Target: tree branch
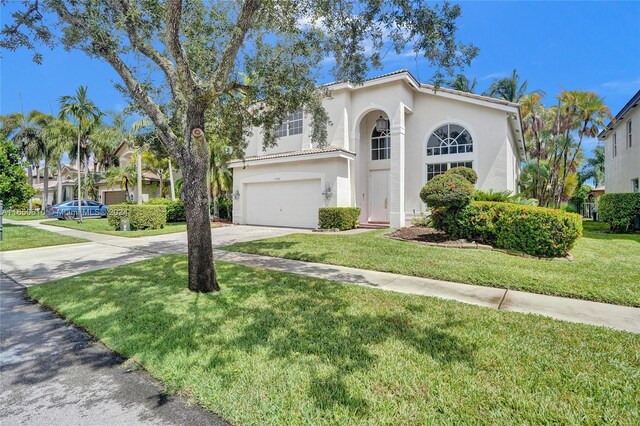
{"x": 172, "y": 40}
{"x": 146, "y": 48}
{"x": 139, "y": 94}
{"x": 249, "y": 9}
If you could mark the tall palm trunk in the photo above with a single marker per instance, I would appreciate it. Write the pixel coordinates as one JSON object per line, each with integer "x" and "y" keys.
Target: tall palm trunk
{"x": 59, "y": 183}
{"x": 45, "y": 185}
{"x": 171, "y": 183}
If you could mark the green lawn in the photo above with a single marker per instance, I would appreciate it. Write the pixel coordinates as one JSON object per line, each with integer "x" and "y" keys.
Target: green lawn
{"x": 606, "y": 266}
{"x": 23, "y": 215}
{"x": 101, "y": 226}
{"x": 275, "y": 348}
{"x": 16, "y": 237}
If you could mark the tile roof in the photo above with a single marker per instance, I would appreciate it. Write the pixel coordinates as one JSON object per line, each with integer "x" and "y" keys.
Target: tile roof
{"x": 293, "y": 154}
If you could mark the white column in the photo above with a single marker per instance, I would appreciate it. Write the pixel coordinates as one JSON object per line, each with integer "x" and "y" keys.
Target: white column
{"x": 396, "y": 190}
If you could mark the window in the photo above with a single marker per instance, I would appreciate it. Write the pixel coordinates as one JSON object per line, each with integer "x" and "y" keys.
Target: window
{"x": 434, "y": 170}
{"x": 449, "y": 139}
{"x": 629, "y": 141}
{"x": 635, "y": 185}
{"x": 439, "y": 168}
{"x": 615, "y": 145}
{"x": 292, "y": 125}
{"x": 380, "y": 145}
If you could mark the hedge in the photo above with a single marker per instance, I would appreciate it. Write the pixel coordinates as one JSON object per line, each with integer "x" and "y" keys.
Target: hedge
{"x": 619, "y": 210}
{"x": 466, "y": 172}
{"x": 175, "y": 209}
{"x": 140, "y": 217}
{"x": 341, "y": 218}
{"x": 447, "y": 190}
{"x": 537, "y": 231}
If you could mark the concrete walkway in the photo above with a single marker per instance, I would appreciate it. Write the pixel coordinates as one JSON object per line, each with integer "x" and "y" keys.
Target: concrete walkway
{"x": 575, "y": 310}
{"x": 54, "y": 374}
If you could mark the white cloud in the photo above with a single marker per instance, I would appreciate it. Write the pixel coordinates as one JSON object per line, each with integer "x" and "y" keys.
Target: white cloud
{"x": 621, "y": 86}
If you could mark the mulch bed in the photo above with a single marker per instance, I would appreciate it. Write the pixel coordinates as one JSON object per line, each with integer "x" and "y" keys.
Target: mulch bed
{"x": 424, "y": 235}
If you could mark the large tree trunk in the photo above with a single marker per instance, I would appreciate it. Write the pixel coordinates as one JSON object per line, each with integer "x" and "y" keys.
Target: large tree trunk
{"x": 202, "y": 274}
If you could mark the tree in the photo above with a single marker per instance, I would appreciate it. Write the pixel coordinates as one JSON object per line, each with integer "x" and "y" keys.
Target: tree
{"x": 594, "y": 169}
{"x": 251, "y": 61}
{"x": 87, "y": 117}
{"x": 462, "y": 83}
{"x": 508, "y": 88}
{"x": 121, "y": 176}
{"x": 14, "y": 186}
{"x": 24, "y": 131}
{"x": 60, "y": 135}
{"x": 158, "y": 166}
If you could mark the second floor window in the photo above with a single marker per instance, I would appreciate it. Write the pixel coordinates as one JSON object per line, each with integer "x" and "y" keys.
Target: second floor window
{"x": 449, "y": 139}
{"x": 629, "y": 140}
{"x": 292, "y": 125}
{"x": 615, "y": 145}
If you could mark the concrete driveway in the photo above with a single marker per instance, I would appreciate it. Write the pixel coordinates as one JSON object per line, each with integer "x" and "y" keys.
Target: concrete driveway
{"x": 39, "y": 265}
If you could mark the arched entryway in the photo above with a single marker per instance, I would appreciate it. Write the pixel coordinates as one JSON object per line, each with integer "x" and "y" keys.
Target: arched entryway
{"x": 373, "y": 164}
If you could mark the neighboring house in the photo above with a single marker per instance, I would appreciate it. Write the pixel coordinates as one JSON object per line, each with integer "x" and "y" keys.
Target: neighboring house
{"x": 388, "y": 137}
{"x": 117, "y": 194}
{"x": 622, "y": 149}
{"x": 68, "y": 174}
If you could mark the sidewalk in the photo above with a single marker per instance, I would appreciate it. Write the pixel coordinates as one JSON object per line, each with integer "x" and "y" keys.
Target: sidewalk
{"x": 575, "y": 310}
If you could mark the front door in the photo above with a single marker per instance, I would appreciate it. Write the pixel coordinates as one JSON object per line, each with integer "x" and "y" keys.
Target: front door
{"x": 379, "y": 196}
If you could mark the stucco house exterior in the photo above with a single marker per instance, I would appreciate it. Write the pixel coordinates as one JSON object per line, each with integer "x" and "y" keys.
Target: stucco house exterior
{"x": 387, "y": 137}
{"x": 622, "y": 149}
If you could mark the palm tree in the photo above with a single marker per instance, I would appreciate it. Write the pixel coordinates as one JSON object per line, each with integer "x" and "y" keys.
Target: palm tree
{"x": 122, "y": 176}
{"x": 509, "y": 88}
{"x": 87, "y": 117}
{"x": 61, "y": 134}
{"x": 591, "y": 112}
{"x": 462, "y": 83}
{"x": 594, "y": 169}
{"x": 220, "y": 177}
{"x": 157, "y": 165}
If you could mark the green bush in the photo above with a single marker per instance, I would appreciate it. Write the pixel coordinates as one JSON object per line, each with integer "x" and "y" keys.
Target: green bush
{"x": 225, "y": 208}
{"x": 537, "y": 231}
{"x": 466, "y": 172}
{"x": 448, "y": 191}
{"x": 175, "y": 209}
{"x": 619, "y": 210}
{"x": 341, "y": 218}
{"x": 140, "y": 217}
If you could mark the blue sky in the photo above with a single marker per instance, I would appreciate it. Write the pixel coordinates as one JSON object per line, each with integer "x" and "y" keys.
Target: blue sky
{"x": 554, "y": 45}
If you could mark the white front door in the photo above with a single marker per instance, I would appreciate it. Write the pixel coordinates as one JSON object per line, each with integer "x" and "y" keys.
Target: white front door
{"x": 379, "y": 196}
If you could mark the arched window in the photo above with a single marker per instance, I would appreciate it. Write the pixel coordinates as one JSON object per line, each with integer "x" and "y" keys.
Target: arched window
{"x": 449, "y": 139}
{"x": 380, "y": 144}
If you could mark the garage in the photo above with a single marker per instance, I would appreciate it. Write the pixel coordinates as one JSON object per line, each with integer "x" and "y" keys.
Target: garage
{"x": 293, "y": 203}
{"x": 113, "y": 197}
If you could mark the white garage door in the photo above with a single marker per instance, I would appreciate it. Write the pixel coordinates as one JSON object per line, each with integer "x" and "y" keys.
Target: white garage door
{"x": 284, "y": 203}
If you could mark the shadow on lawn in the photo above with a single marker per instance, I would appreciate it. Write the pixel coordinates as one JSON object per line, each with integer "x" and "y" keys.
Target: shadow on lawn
{"x": 149, "y": 315}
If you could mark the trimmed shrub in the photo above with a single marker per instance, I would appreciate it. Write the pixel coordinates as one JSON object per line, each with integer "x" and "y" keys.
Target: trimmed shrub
{"x": 447, "y": 190}
{"x": 619, "y": 210}
{"x": 466, "y": 172}
{"x": 341, "y": 218}
{"x": 175, "y": 209}
{"x": 225, "y": 208}
{"x": 537, "y": 231}
{"x": 140, "y": 217}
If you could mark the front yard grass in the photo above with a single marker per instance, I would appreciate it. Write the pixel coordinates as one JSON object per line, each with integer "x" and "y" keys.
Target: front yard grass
{"x": 101, "y": 226}
{"x": 606, "y": 266}
{"x": 16, "y": 237}
{"x": 276, "y": 348}
{"x": 24, "y": 215}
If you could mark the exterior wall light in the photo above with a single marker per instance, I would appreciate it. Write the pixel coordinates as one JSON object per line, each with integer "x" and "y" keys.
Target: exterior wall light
{"x": 327, "y": 193}
{"x": 236, "y": 194}
{"x": 382, "y": 124}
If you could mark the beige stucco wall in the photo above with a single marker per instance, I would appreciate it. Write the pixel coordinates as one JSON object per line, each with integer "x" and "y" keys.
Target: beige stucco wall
{"x": 620, "y": 170}
{"x": 413, "y": 115}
